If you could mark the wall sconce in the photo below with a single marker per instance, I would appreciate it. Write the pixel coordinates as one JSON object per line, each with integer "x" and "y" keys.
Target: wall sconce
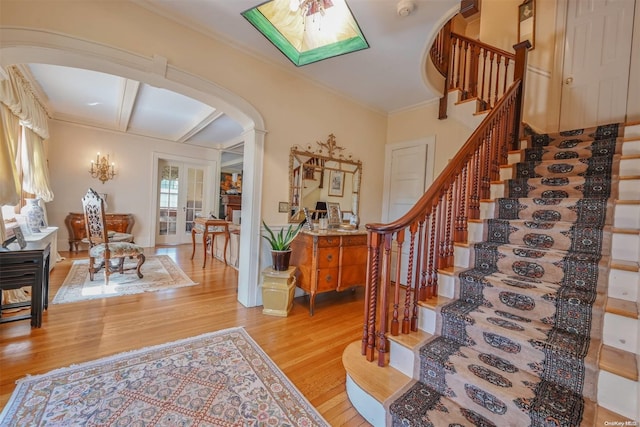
{"x": 101, "y": 169}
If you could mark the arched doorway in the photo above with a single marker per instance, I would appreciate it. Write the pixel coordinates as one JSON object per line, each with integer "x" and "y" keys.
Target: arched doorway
{"x": 23, "y": 46}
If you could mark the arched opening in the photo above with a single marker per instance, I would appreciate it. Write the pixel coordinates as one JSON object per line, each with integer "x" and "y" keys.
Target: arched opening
{"x": 23, "y": 46}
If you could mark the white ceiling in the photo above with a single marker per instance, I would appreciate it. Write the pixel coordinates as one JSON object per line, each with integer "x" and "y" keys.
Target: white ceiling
{"x": 387, "y": 77}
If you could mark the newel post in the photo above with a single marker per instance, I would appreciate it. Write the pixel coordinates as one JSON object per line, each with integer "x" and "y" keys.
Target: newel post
{"x": 519, "y": 73}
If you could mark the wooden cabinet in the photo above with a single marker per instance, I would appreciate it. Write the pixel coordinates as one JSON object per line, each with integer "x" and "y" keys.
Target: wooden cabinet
{"x": 329, "y": 261}
{"x": 120, "y": 223}
{"x": 231, "y": 203}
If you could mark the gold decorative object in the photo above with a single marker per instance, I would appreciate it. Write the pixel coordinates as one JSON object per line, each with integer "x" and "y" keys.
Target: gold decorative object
{"x": 102, "y": 169}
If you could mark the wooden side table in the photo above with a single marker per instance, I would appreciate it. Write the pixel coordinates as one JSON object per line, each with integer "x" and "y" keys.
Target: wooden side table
{"x": 26, "y": 267}
{"x": 209, "y": 227}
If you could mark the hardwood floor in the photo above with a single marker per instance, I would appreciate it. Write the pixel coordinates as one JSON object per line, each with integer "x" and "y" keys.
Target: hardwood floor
{"x": 307, "y": 349}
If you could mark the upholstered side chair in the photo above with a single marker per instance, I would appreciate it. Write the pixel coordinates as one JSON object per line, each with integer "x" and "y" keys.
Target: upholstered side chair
{"x": 101, "y": 250}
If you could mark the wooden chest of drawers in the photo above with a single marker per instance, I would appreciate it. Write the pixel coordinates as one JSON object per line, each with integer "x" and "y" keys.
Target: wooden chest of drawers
{"x": 329, "y": 261}
{"x": 120, "y": 223}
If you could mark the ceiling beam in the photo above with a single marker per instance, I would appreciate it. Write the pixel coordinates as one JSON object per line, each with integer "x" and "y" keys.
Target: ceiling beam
{"x": 200, "y": 125}
{"x": 128, "y": 98}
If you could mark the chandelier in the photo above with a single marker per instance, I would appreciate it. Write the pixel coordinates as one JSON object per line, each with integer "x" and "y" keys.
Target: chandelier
{"x": 102, "y": 169}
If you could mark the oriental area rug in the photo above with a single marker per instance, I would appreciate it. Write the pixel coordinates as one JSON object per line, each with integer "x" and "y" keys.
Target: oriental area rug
{"x": 519, "y": 345}
{"x": 160, "y": 272}
{"x": 218, "y": 379}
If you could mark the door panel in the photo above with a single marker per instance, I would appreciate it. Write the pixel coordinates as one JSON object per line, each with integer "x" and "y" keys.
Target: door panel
{"x": 407, "y": 183}
{"x": 596, "y": 63}
{"x": 180, "y": 200}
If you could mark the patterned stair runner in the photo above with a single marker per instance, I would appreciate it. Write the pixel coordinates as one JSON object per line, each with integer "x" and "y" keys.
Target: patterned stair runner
{"x": 519, "y": 345}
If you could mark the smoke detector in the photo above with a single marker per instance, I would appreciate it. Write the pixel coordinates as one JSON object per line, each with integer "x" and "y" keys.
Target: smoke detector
{"x": 405, "y": 7}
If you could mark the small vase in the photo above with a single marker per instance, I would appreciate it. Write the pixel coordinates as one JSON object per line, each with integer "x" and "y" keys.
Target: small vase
{"x": 355, "y": 220}
{"x": 281, "y": 260}
{"x": 34, "y": 215}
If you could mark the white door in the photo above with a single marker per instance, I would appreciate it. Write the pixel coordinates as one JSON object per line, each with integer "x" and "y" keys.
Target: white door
{"x": 408, "y": 173}
{"x": 596, "y": 62}
{"x": 180, "y": 200}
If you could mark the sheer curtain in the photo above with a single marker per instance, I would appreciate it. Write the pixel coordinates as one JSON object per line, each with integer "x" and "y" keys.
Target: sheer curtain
{"x": 21, "y": 152}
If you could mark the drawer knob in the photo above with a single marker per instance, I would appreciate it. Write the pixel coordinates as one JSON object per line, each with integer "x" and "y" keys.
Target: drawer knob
{"x": 328, "y": 278}
{"x": 329, "y": 257}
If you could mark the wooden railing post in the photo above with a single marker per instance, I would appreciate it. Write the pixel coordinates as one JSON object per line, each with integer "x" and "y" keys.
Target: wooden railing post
{"x": 446, "y": 61}
{"x": 519, "y": 73}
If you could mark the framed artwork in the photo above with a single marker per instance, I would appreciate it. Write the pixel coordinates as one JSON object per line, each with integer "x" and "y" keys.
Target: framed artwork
{"x": 17, "y": 237}
{"x": 17, "y": 231}
{"x": 334, "y": 215}
{"x": 527, "y": 22}
{"x": 336, "y": 183}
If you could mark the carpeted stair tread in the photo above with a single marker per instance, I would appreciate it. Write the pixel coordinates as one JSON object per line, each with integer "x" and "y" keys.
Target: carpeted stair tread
{"x": 557, "y": 188}
{"x": 486, "y": 331}
{"x": 542, "y": 264}
{"x": 496, "y": 282}
{"x": 572, "y": 150}
{"x": 613, "y": 130}
{"x": 592, "y": 166}
{"x": 582, "y": 211}
{"x": 422, "y": 406}
{"x": 561, "y": 235}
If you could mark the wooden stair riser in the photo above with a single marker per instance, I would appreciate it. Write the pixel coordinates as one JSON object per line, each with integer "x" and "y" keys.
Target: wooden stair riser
{"x": 627, "y": 216}
{"x": 625, "y": 247}
{"x": 624, "y": 285}
{"x": 619, "y": 395}
{"x": 369, "y": 407}
{"x": 465, "y": 111}
{"x": 621, "y": 332}
{"x": 632, "y": 131}
{"x": 629, "y": 189}
{"x": 631, "y": 147}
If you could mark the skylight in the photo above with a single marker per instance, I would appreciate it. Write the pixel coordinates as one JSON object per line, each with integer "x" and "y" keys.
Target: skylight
{"x": 307, "y": 31}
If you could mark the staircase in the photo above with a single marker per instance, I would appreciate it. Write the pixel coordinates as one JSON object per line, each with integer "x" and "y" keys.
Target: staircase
{"x": 615, "y": 392}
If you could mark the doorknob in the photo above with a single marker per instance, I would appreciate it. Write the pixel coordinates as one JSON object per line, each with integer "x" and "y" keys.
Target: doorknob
{"x": 569, "y": 80}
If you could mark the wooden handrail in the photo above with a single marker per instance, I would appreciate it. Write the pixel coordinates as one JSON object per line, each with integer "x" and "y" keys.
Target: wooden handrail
{"x": 476, "y": 69}
{"x": 437, "y": 220}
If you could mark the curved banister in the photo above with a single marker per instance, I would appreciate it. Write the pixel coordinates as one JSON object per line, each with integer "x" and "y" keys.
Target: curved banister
{"x": 475, "y": 69}
{"x": 488, "y": 47}
{"x": 453, "y": 168}
{"x": 437, "y": 220}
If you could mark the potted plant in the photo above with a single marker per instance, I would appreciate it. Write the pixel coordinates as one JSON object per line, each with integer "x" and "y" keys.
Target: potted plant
{"x": 281, "y": 244}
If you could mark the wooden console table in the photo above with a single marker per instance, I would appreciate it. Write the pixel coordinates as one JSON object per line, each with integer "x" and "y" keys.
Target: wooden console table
{"x": 26, "y": 267}
{"x": 120, "y": 223}
{"x": 209, "y": 227}
{"x": 329, "y": 261}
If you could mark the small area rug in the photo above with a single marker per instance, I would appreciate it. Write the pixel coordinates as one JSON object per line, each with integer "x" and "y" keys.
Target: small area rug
{"x": 220, "y": 378}
{"x": 160, "y": 272}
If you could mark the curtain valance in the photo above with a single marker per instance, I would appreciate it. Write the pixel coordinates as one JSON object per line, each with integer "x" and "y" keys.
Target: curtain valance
{"x": 16, "y": 94}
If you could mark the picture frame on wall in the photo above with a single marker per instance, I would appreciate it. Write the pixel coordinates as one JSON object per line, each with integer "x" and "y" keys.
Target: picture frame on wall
{"x": 336, "y": 183}
{"x": 527, "y": 22}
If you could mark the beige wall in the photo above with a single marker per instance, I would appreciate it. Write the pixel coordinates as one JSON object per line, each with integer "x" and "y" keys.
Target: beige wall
{"x": 421, "y": 122}
{"x": 295, "y": 111}
{"x": 72, "y": 147}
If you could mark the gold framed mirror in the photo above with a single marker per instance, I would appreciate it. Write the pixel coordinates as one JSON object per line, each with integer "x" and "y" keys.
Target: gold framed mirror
{"x": 320, "y": 175}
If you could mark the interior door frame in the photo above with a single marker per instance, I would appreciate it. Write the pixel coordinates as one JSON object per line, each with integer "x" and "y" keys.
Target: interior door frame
{"x": 430, "y": 143}
{"x": 211, "y": 179}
